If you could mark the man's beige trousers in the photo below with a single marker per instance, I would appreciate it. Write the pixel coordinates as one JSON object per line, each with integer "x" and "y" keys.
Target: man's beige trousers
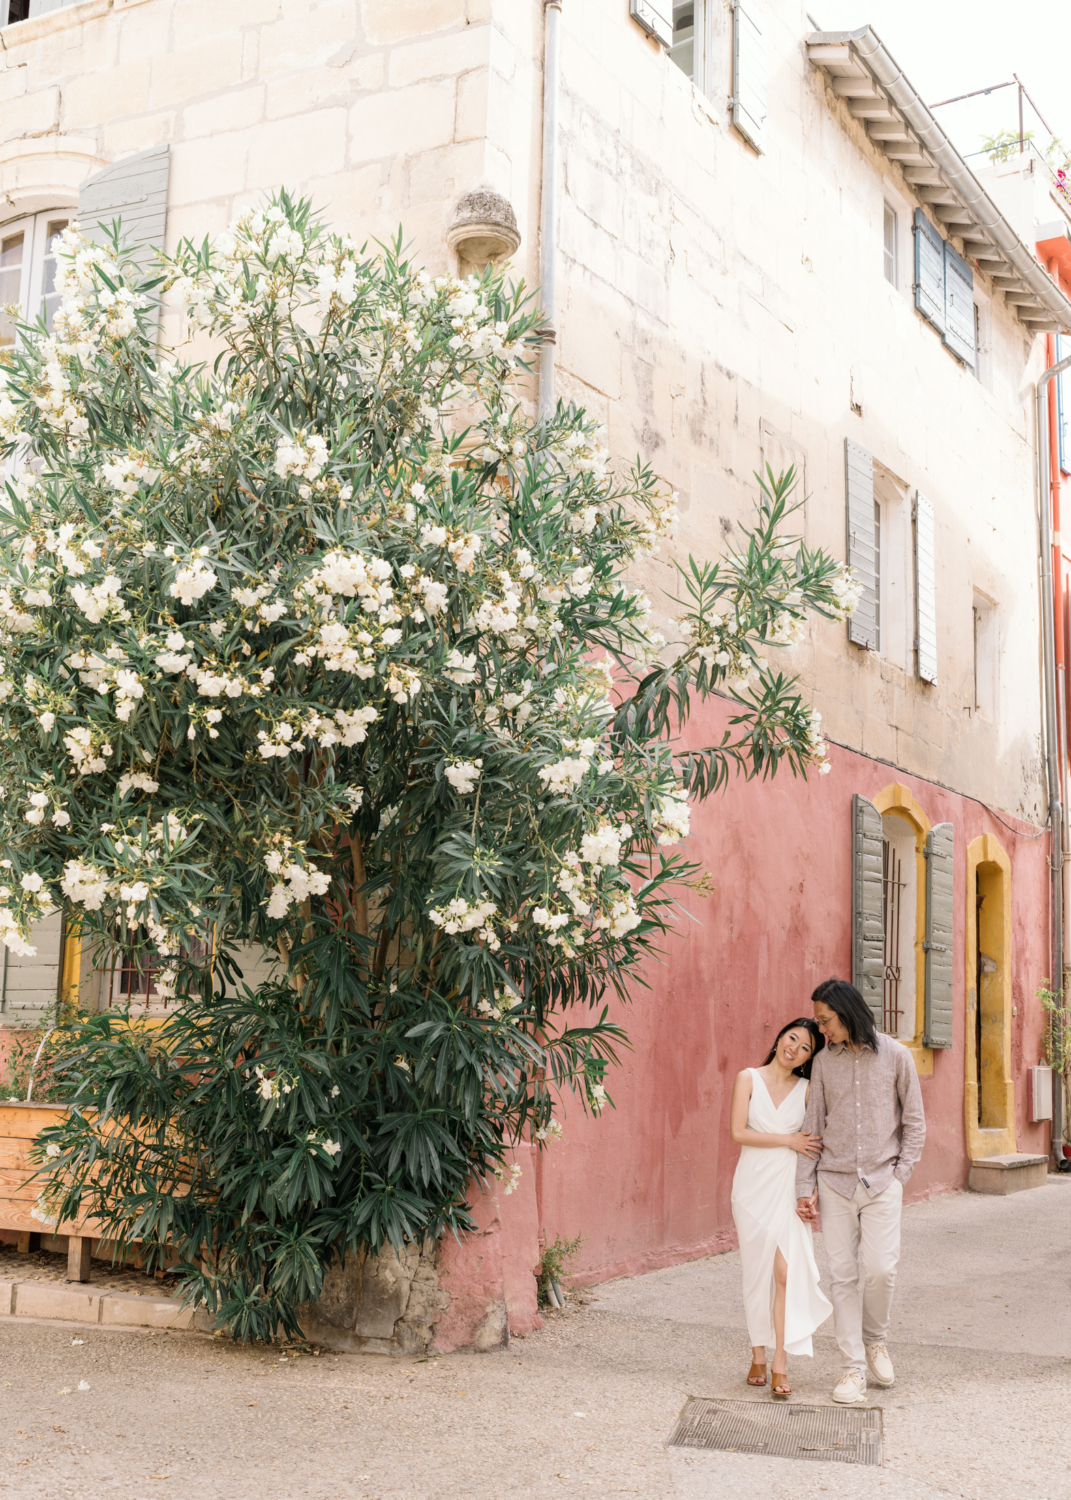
{"x": 862, "y": 1240}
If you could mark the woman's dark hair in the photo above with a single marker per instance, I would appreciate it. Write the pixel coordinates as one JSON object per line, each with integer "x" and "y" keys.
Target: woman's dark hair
{"x": 845, "y": 1001}
{"x": 804, "y": 1022}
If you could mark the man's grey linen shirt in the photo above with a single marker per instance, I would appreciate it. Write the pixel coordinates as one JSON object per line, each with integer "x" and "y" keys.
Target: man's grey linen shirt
{"x": 867, "y": 1107}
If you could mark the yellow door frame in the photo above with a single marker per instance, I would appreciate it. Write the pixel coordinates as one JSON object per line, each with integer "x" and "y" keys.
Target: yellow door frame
{"x": 898, "y": 799}
{"x": 986, "y": 855}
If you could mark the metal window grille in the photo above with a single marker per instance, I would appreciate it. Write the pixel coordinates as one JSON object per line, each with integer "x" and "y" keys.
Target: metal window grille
{"x": 892, "y": 887}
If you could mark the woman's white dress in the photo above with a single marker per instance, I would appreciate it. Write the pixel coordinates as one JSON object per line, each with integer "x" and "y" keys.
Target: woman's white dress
{"x": 764, "y": 1209}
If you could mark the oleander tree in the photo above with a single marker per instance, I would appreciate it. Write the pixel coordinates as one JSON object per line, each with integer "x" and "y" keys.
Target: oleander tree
{"x": 328, "y": 645}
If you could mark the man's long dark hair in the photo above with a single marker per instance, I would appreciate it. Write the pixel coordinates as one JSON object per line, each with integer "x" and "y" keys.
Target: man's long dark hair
{"x": 847, "y": 1003}
{"x": 804, "y": 1023}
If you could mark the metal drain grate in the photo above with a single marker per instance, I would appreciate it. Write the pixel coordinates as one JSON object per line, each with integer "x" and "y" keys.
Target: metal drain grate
{"x": 847, "y": 1435}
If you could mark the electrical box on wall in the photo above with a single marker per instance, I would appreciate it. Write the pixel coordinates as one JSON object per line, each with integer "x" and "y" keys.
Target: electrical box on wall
{"x": 1040, "y": 1094}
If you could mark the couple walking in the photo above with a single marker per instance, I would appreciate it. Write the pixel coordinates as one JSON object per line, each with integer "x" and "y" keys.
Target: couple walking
{"x": 831, "y": 1123}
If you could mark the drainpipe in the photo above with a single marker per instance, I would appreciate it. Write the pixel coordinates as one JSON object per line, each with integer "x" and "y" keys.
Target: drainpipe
{"x": 1053, "y": 775}
{"x": 548, "y": 208}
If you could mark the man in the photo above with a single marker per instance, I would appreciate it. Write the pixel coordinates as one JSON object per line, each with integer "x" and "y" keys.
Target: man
{"x": 866, "y": 1105}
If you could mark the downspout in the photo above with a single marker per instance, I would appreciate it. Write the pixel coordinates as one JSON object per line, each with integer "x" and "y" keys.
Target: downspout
{"x": 1060, "y": 622}
{"x": 1053, "y": 777}
{"x": 548, "y": 207}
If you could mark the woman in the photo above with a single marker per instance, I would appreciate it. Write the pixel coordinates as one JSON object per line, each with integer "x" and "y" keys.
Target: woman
{"x": 782, "y": 1300}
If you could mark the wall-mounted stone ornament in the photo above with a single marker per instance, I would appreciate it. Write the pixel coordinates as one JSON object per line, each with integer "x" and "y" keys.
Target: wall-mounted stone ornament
{"x": 483, "y": 228}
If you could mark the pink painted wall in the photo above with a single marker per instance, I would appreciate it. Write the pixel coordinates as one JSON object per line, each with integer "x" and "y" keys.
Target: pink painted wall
{"x": 648, "y": 1184}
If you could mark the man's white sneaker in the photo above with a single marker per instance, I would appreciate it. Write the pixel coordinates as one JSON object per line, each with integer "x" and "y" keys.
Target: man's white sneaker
{"x": 850, "y": 1389}
{"x": 879, "y": 1364}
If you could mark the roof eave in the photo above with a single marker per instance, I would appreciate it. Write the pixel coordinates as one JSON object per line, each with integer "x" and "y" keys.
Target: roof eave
{"x": 924, "y": 151}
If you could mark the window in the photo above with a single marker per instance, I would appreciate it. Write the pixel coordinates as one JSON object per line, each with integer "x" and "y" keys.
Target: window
{"x": 985, "y": 657}
{"x": 899, "y": 881}
{"x": 682, "y": 48}
{"x": 28, "y": 268}
{"x": 891, "y": 228}
{"x": 893, "y": 565}
{"x": 26, "y": 10}
{"x": 129, "y": 980}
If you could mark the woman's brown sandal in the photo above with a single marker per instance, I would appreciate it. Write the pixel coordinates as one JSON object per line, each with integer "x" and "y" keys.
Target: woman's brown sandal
{"x": 756, "y": 1375}
{"x": 780, "y": 1390}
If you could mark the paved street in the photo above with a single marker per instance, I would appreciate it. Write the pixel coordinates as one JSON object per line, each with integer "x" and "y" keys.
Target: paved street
{"x": 982, "y": 1407}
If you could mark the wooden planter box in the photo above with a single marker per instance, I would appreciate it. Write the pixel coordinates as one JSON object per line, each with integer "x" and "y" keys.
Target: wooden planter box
{"x": 20, "y": 1125}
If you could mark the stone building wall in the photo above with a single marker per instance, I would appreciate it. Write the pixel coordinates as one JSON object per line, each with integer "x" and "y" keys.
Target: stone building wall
{"x": 717, "y": 310}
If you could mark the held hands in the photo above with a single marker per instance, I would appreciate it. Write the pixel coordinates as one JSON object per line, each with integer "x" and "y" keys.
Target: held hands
{"x": 807, "y": 1209}
{"x": 805, "y": 1143}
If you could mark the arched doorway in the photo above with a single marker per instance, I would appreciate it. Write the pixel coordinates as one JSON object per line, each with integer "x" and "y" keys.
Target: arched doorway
{"x": 990, "y": 1092}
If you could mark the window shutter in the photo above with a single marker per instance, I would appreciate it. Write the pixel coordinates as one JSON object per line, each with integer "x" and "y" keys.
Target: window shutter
{"x": 656, "y": 18}
{"x": 937, "y": 1029}
{"x": 925, "y": 590}
{"x": 862, "y": 543}
{"x": 31, "y": 984}
{"x": 929, "y": 272}
{"x": 959, "y": 307}
{"x": 749, "y": 73}
{"x": 1063, "y": 410}
{"x": 134, "y": 190}
{"x": 868, "y": 907}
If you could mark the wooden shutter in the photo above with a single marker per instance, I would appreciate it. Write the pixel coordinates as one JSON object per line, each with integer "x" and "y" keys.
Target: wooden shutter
{"x": 937, "y": 1031}
{"x": 862, "y": 543}
{"x": 31, "y": 984}
{"x": 925, "y": 590}
{"x": 959, "y": 307}
{"x": 656, "y": 18}
{"x": 868, "y": 907}
{"x": 749, "y": 72}
{"x": 929, "y": 271}
{"x": 134, "y": 190}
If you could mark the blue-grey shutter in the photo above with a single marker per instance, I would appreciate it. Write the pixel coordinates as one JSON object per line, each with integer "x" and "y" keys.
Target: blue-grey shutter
{"x": 655, "y": 16}
{"x": 959, "y": 307}
{"x": 940, "y": 891}
{"x": 134, "y": 190}
{"x": 868, "y": 907}
{"x": 925, "y": 590}
{"x": 862, "y": 542}
{"x": 929, "y": 271}
{"x": 749, "y": 72}
{"x": 31, "y": 982}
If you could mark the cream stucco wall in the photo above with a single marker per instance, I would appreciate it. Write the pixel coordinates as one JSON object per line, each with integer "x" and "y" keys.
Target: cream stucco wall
{"x": 717, "y": 308}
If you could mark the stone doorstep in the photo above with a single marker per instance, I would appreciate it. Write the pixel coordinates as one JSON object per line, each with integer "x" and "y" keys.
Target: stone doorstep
{"x": 1008, "y": 1174}
{"x": 79, "y": 1302}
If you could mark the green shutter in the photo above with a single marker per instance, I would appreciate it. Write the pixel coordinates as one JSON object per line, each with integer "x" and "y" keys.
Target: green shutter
{"x": 135, "y": 191}
{"x": 868, "y": 907}
{"x": 862, "y": 542}
{"x": 940, "y": 890}
{"x": 31, "y": 981}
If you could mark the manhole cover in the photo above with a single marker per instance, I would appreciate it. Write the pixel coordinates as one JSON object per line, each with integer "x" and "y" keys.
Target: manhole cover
{"x": 848, "y": 1435}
